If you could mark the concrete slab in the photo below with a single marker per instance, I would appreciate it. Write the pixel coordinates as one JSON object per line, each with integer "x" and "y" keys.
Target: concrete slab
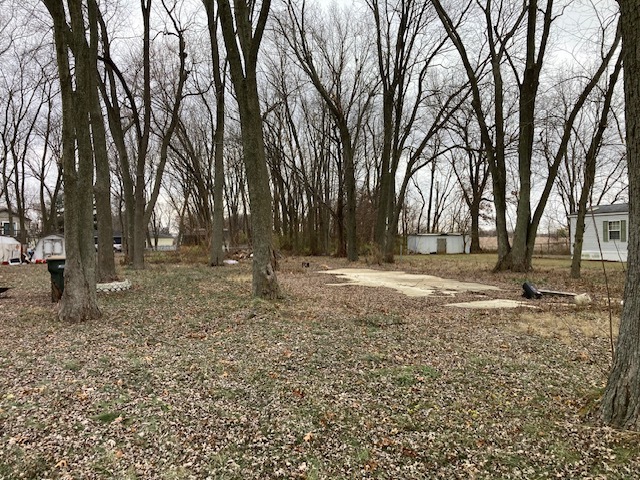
{"x": 496, "y": 303}
{"x": 412, "y": 285}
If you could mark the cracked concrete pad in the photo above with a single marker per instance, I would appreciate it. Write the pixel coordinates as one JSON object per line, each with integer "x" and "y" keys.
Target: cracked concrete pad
{"x": 497, "y": 303}
{"x": 412, "y": 285}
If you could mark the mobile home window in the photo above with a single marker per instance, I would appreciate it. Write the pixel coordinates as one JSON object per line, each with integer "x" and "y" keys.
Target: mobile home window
{"x": 614, "y": 230}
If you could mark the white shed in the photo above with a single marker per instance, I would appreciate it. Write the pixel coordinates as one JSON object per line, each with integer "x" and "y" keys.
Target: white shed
{"x": 428, "y": 243}
{"x": 10, "y": 248}
{"x": 608, "y": 224}
{"x": 48, "y": 246}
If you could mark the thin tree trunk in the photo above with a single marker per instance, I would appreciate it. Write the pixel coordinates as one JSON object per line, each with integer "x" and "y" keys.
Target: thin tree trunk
{"x": 350, "y": 187}
{"x": 217, "y": 235}
{"x": 106, "y": 266}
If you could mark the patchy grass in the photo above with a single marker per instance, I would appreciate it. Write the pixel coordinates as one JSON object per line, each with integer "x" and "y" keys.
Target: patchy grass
{"x": 186, "y": 376}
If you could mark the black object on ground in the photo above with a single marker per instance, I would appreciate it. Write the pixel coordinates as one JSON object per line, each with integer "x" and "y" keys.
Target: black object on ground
{"x": 530, "y": 291}
{"x": 55, "y": 265}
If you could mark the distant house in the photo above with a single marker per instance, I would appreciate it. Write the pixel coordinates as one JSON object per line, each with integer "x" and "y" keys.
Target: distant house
{"x": 161, "y": 241}
{"x": 606, "y": 228}
{"x": 441, "y": 243}
{"x": 12, "y": 227}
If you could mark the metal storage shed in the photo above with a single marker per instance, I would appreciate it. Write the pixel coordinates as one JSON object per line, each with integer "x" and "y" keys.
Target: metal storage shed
{"x": 441, "y": 243}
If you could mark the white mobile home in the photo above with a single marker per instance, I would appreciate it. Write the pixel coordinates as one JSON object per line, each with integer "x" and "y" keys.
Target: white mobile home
{"x": 606, "y": 229}
{"x": 429, "y": 243}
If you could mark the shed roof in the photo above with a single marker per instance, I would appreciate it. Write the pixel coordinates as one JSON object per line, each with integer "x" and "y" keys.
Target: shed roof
{"x": 606, "y": 209}
{"x": 452, "y": 234}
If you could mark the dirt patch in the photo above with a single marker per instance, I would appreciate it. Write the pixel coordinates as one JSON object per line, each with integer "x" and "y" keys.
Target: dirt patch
{"x": 410, "y": 284}
{"x": 580, "y": 323}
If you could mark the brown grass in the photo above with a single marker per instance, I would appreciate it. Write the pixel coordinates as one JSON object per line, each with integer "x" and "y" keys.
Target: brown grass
{"x": 186, "y": 376}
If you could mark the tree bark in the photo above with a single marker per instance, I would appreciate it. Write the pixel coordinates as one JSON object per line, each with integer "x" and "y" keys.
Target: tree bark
{"x": 106, "y": 266}
{"x": 242, "y": 65}
{"x": 620, "y": 405}
{"x": 78, "y": 302}
{"x": 216, "y": 256}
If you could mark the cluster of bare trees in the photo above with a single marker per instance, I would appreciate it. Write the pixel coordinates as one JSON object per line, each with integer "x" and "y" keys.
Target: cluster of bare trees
{"x": 319, "y": 129}
{"x": 30, "y": 126}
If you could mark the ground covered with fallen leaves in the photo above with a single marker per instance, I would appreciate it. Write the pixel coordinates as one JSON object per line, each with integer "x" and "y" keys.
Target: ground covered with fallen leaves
{"x": 186, "y": 376}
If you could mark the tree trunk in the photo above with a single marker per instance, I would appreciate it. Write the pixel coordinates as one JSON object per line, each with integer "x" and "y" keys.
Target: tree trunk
{"x": 242, "y": 64}
{"x": 106, "y": 266}
{"x": 217, "y": 235}
{"x": 475, "y": 226}
{"x": 350, "y": 187}
{"x": 387, "y": 177}
{"x": 341, "y": 247}
{"x": 265, "y": 283}
{"x": 106, "y": 262}
{"x": 495, "y": 150}
{"x": 138, "y": 233}
{"x": 78, "y": 302}
{"x": 620, "y": 405}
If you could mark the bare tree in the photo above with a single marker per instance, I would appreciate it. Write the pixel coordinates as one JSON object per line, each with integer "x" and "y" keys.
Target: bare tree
{"x": 242, "y": 29}
{"x": 25, "y": 82}
{"x": 158, "y": 113}
{"x": 504, "y": 25}
{"x": 235, "y": 190}
{"x": 216, "y": 255}
{"x": 337, "y": 64}
{"x": 469, "y": 164}
{"x": 609, "y": 184}
{"x": 48, "y": 169}
{"x": 305, "y": 165}
{"x": 78, "y": 301}
{"x": 409, "y": 96}
{"x": 106, "y": 267}
{"x": 590, "y": 170}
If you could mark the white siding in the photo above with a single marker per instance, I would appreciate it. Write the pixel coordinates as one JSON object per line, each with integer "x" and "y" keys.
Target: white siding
{"x": 427, "y": 243}
{"x": 613, "y": 250}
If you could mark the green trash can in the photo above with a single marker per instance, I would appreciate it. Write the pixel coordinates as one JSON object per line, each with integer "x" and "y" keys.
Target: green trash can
{"x": 55, "y": 265}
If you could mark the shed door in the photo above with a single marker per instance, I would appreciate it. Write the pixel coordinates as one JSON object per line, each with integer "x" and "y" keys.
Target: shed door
{"x": 442, "y": 245}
